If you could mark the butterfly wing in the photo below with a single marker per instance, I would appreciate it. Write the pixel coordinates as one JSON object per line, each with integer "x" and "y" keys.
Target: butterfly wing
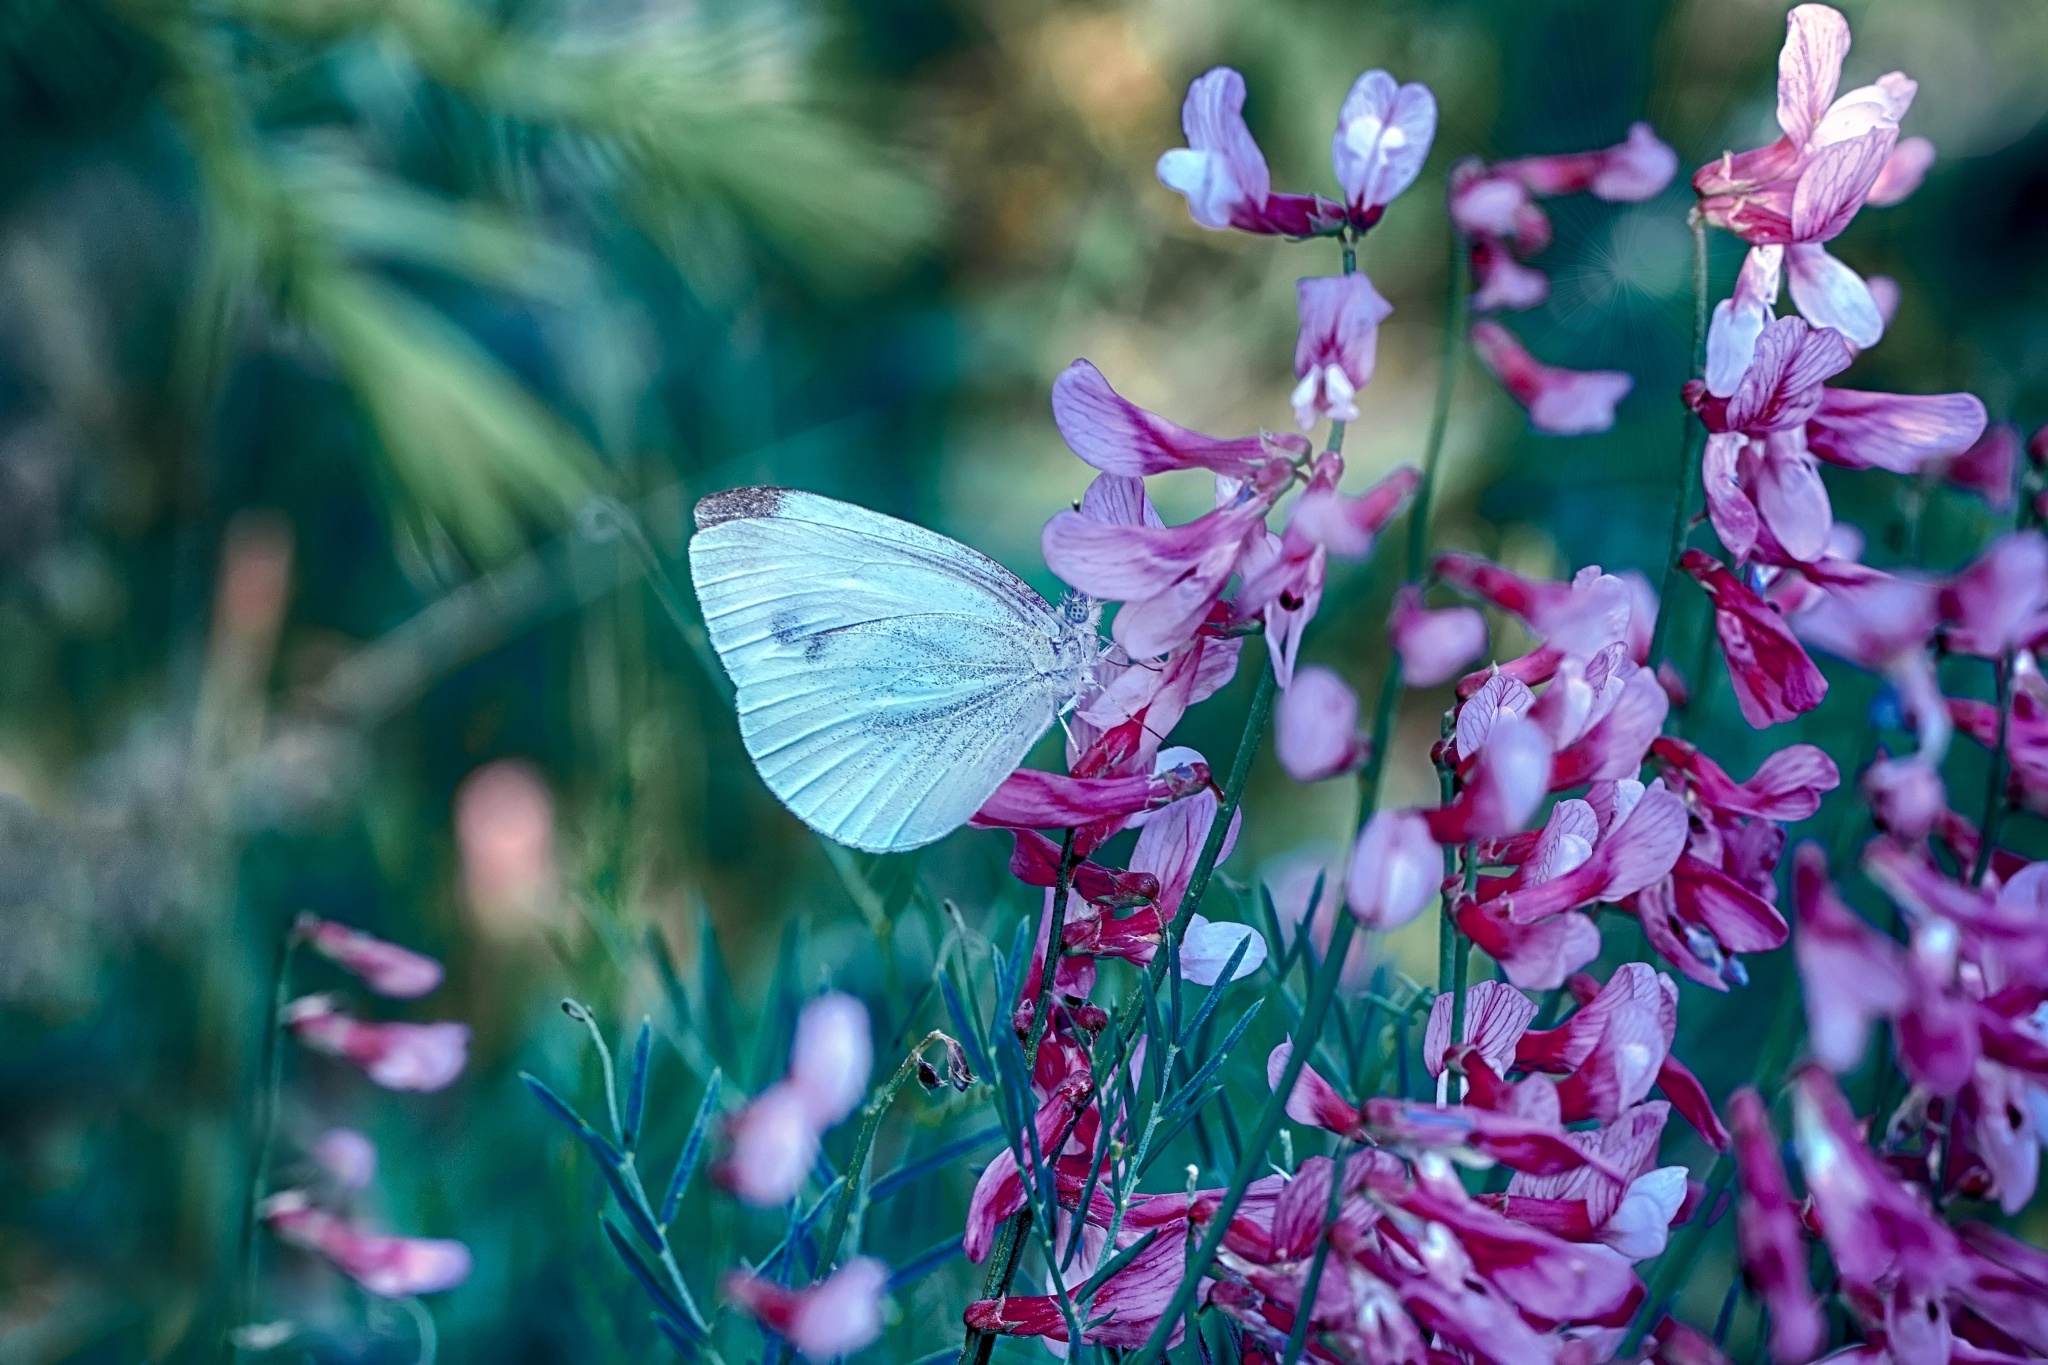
{"x": 887, "y": 678}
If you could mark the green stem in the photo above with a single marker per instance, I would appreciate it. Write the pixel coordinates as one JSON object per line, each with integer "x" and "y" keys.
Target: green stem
{"x": 270, "y": 1069}
{"x": 1041, "y": 1008}
{"x": 1994, "y": 786}
{"x": 1452, "y": 354}
{"x": 1002, "y": 1268}
{"x": 1692, "y": 445}
{"x": 857, "y": 1164}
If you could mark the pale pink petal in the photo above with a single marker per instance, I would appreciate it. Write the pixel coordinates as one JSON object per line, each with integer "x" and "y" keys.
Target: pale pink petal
{"x": 384, "y": 967}
{"x": 1877, "y": 106}
{"x": 1394, "y": 871}
{"x": 1313, "y": 1100}
{"x": 1734, "y": 516}
{"x": 1884, "y": 292}
{"x": 1906, "y": 795}
{"x": 1221, "y": 171}
{"x": 1434, "y": 646}
{"x": 1561, "y": 402}
{"x": 1503, "y": 283}
{"x": 1334, "y": 350}
{"x": 347, "y": 1156}
{"x": 1348, "y": 526}
{"x": 1635, "y": 169}
{"x": 1987, "y": 468}
{"x": 1852, "y": 975}
{"x": 1903, "y": 172}
{"x": 1810, "y": 67}
{"x": 774, "y": 1145}
{"x": 422, "y": 1057}
{"x": 1383, "y": 135}
{"x": 1833, "y": 186}
{"x": 1792, "y": 498}
{"x": 1496, "y": 1016}
{"x": 1639, "y": 1228}
{"x": 505, "y": 832}
{"x": 1782, "y": 386}
{"x": 1830, "y": 294}
{"x": 1119, "y": 437}
{"x": 1315, "y": 732}
{"x": 1741, "y": 318}
{"x": 1894, "y": 431}
{"x": 1207, "y": 947}
{"x": 1119, "y": 500}
{"x": 1500, "y": 695}
{"x": 831, "y": 1058}
{"x": 390, "y": 1267}
{"x": 835, "y": 1317}
{"x": 1991, "y": 604}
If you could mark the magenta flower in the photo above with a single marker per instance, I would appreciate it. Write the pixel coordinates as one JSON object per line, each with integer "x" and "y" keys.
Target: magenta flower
{"x": 395, "y": 1056}
{"x": 773, "y": 1146}
{"x": 1559, "y": 401}
{"x": 1315, "y": 727}
{"x": 1496, "y": 1017}
{"x": 835, "y": 1317}
{"x": 1333, "y": 355}
{"x": 391, "y": 1267}
{"x": 1574, "y": 620}
{"x": 1383, "y": 135}
{"x": 1031, "y": 798}
{"x": 1394, "y": 870}
{"x": 1634, "y": 169}
{"x": 1127, "y": 1306}
{"x": 1118, "y": 437}
{"x": 1167, "y": 577}
{"x": 831, "y": 1057}
{"x": 1222, "y": 173}
{"x": 1433, "y": 645}
{"x": 1773, "y": 677}
{"x": 1988, "y": 468}
{"x": 384, "y": 967}
{"x": 1508, "y": 781}
{"x": 1601, "y": 715}
{"x": 1576, "y": 863}
{"x": 1631, "y": 1215}
{"x": 1772, "y": 1239}
{"x": 1787, "y": 786}
{"x": 2001, "y": 600}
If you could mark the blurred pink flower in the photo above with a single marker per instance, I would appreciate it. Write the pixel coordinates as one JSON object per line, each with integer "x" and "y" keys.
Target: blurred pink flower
{"x": 395, "y": 1056}
{"x": 1559, "y": 401}
{"x": 831, "y": 1057}
{"x": 1906, "y": 795}
{"x": 1988, "y": 467}
{"x": 1903, "y": 172}
{"x": 1383, "y": 135}
{"x": 1634, "y": 169}
{"x": 348, "y": 1157}
{"x": 2001, "y": 599}
{"x": 384, "y": 967}
{"x": 505, "y": 832}
{"x": 1851, "y": 975}
{"x": 392, "y": 1267}
{"x": 835, "y": 1317}
{"x": 773, "y": 1144}
{"x": 1771, "y": 1236}
{"x": 1394, "y": 871}
{"x": 1334, "y": 351}
{"x": 1774, "y": 679}
{"x": 1315, "y": 727}
{"x": 1222, "y": 173}
{"x": 1433, "y": 645}
{"x": 1501, "y": 283}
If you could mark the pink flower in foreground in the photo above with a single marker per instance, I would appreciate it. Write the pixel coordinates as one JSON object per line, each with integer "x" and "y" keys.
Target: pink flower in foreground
{"x": 1774, "y": 679}
{"x": 1559, "y": 401}
{"x": 395, "y": 1056}
{"x": 835, "y": 1317}
{"x": 1315, "y": 727}
{"x": 1394, "y": 870}
{"x": 1772, "y": 1239}
{"x": 831, "y": 1056}
{"x": 347, "y": 1156}
{"x": 773, "y": 1146}
{"x": 392, "y": 1267}
{"x": 1166, "y": 577}
{"x": 1496, "y": 1016}
{"x": 1382, "y": 139}
{"x": 1507, "y": 783}
{"x": 1433, "y": 645}
{"x": 1222, "y": 173}
{"x": 384, "y": 967}
{"x": 1334, "y": 352}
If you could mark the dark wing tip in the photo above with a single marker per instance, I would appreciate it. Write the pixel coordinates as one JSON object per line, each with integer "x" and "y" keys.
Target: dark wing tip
{"x": 736, "y": 503}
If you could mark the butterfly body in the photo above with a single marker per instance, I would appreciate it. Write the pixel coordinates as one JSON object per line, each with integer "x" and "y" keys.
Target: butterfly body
{"x": 887, "y": 678}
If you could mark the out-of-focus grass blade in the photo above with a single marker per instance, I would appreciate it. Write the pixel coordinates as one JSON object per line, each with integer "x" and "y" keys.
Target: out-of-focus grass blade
{"x": 778, "y": 1021}
{"x": 693, "y": 1147}
{"x": 671, "y": 981}
{"x": 664, "y": 1300}
{"x": 913, "y": 1170}
{"x": 968, "y": 1027}
{"x": 714, "y": 988}
{"x": 636, "y": 1083}
{"x": 924, "y": 1263}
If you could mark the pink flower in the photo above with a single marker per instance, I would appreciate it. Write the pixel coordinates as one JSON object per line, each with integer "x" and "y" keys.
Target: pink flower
{"x": 1773, "y": 1242}
{"x": 1560, "y": 402}
{"x": 1631, "y": 1214}
{"x": 2001, "y": 600}
{"x": 1575, "y": 863}
{"x": 1167, "y": 577}
{"x": 391, "y": 1267}
{"x": 1899, "y": 432}
{"x": 1394, "y": 870}
{"x": 1634, "y": 169}
{"x": 1222, "y": 173}
{"x": 1333, "y": 355}
{"x": 1502, "y": 283}
{"x": 1127, "y": 1305}
{"x": 1508, "y": 782}
{"x": 774, "y": 1145}
{"x": 1988, "y": 467}
{"x": 1574, "y": 620}
{"x": 1433, "y": 645}
{"x": 1906, "y": 795}
{"x": 835, "y": 1317}
{"x": 1119, "y": 437}
{"x": 384, "y": 967}
{"x": 1382, "y": 139}
{"x": 1496, "y": 1016}
{"x": 830, "y": 1058}
{"x": 1773, "y": 677}
{"x": 347, "y": 1156}
{"x": 1903, "y": 172}
{"x": 1601, "y": 715}
{"x": 395, "y": 1056}
{"x": 1346, "y": 526}
{"x": 505, "y": 832}
{"x": 1315, "y": 728}
{"x": 1787, "y": 786}
{"x": 1031, "y": 798}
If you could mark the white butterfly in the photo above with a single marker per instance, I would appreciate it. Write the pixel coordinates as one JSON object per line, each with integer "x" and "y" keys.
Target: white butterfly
{"x": 888, "y": 678}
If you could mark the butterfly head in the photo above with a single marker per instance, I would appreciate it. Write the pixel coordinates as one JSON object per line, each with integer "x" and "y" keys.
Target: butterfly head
{"x": 1080, "y": 648}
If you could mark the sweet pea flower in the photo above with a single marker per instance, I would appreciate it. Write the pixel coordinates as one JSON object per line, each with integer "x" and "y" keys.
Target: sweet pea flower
{"x": 1383, "y": 135}
{"x": 2000, "y": 600}
{"x": 1394, "y": 870}
{"x": 390, "y": 1267}
{"x": 837, "y": 1316}
{"x": 1771, "y": 1237}
{"x": 385, "y": 968}
{"x": 1315, "y": 727}
{"x": 395, "y": 1056}
{"x": 1508, "y": 782}
{"x": 1774, "y": 679}
{"x": 831, "y": 1058}
{"x": 1118, "y": 437}
{"x": 1333, "y": 355}
{"x": 1222, "y": 173}
{"x": 1560, "y": 402}
{"x": 1433, "y": 645}
{"x": 1496, "y": 1017}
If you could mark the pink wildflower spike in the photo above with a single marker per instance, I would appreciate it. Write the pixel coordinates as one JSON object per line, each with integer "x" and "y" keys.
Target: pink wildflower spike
{"x": 835, "y": 1317}
{"x": 831, "y": 1057}
{"x": 1334, "y": 352}
{"x": 1898, "y": 432}
{"x": 1773, "y": 677}
{"x": 385, "y": 968}
{"x": 1559, "y": 401}
{"x": 390, "y": 1267}
{"x": 1433, "y": 645}
{"x": 1742, "y": 317}
{"x": 1634, "y": 169}
{"x": 395, "y": 1056}
{"x": 1167, "y": 577}
{"x": 1119, "y": 437}
{"x": 1383, "y": 135}
{"x": 1988, "y": 467}
{"x": 1786, "y": 787}
{"x": 1508, "y": 783}
{"x": 1496, "y": 1016}
{"x": 1315, "y": 728}
{"x": 1906, "y": 795}
{"x": 1031, "y": 798}
{"x": 774, "y": 1145}
{"x": 1999, "y": 600}
{"x": 347, "y": 1156}
{"x": 1773, "y": 1241}
{"x": 1313, "y": 1100}
{"x": 1347, "y": 527}
{"x": 1903, "y": 172}
{"x": 1222, "y": 173}
{"x": 1852, "y": 975}
{"x": 1394, "y": 870}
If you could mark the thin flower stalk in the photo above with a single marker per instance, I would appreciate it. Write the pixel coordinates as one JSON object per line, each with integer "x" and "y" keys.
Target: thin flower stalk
{"x": 1692, "y": 442}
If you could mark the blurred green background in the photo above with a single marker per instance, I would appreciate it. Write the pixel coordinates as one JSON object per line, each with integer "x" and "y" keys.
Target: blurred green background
{"x": 388, "y": 295}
